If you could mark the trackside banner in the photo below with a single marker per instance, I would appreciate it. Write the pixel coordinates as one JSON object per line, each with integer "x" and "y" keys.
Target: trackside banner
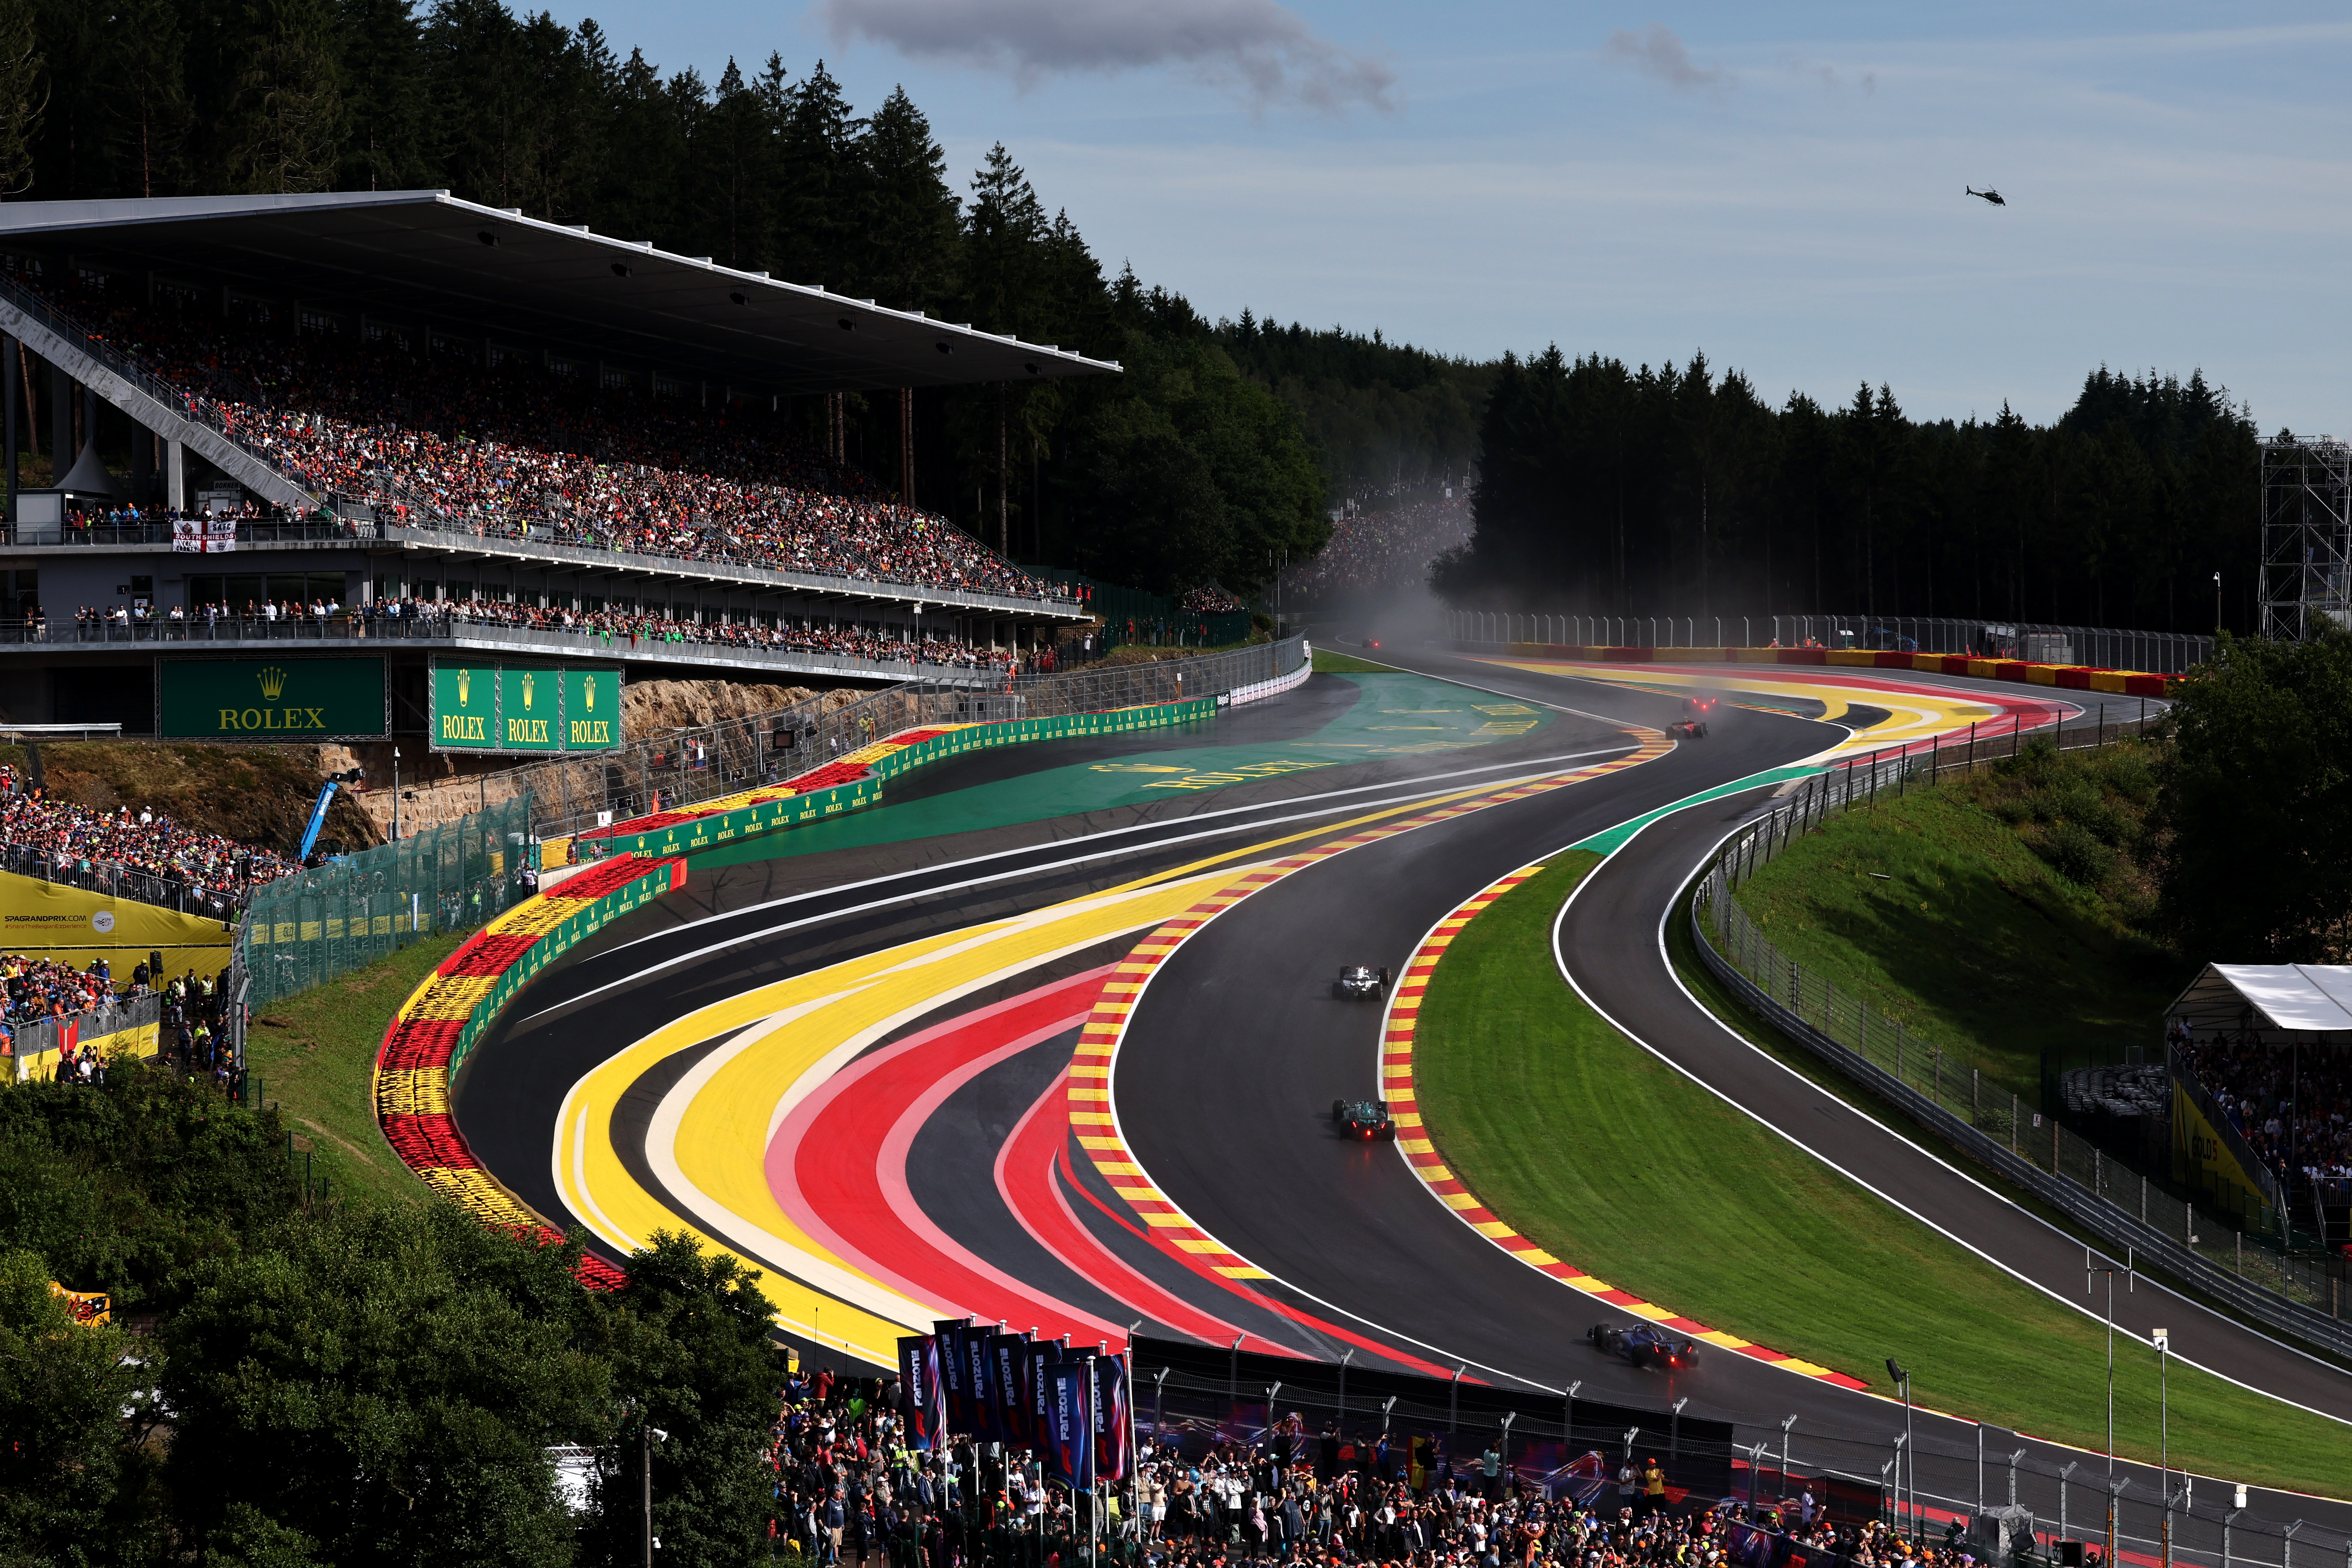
{"x": 1070, "y": 1425}
{"x": 955, "y": 1374}
{"x": 1007, "y": 1360}
{"x": 918, "y": 1391}
{"x": 1110, "y": 1418}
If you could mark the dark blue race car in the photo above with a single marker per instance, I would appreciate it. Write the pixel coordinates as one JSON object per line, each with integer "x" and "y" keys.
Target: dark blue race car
{"x": 1644, "y": 1344}
{"x": 1362, "y": 1118}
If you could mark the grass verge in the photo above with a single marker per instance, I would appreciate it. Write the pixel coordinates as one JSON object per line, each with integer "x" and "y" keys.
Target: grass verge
{"x": 316, "y": 1055}
{"x": 1329, "y": 663}
{"x": 1609, "y": 1158}
{"x": 1953, "y": 909}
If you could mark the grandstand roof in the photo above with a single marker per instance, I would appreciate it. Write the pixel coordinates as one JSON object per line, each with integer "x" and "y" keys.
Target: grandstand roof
{"x": 2289, "y": 998}
{"x": 427, "y": 259}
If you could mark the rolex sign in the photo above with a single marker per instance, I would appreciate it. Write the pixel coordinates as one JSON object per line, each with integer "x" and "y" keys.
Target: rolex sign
{"x": 270, "y": 698}
{"x": 525, "y": 707}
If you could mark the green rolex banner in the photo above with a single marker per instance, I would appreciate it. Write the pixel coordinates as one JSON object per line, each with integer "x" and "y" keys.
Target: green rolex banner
{"x": 269, "y": 699}
{"x": 525, "y": 707}
{"x": 466, "y": 707}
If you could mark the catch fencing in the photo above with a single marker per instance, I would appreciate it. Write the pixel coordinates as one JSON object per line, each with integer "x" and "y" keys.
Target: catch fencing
{"x": 2032, "y": 642}
{"x": 2243, "y": 1260}
{"x": 687, "y": 766}
{"x": 304, "y": 930}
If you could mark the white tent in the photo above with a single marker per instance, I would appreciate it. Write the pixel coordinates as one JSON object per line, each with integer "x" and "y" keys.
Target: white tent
{"x": 2269, "y": 1004}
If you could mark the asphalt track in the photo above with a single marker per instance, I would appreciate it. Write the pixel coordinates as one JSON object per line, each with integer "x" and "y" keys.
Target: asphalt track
{"x": 1230, "y": 1054}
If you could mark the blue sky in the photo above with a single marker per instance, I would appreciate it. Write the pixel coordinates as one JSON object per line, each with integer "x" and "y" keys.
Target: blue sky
{"x": 1781, "y": 187}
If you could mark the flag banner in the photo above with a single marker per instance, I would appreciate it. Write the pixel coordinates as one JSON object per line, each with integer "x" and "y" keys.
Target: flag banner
{"x": 1070, "y": 1433}
{"x": 1110, "y": 1418}
{"x": 985, "y": 1427}
{"x": 1008, "y": 1368}
{"x": 919, "y": 1389}
{"x": 1038, "y": 1385}
{"x": 954, "y": 1381}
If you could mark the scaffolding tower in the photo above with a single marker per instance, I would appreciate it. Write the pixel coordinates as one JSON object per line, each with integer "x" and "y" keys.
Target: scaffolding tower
{"x": 2306, "y": 576}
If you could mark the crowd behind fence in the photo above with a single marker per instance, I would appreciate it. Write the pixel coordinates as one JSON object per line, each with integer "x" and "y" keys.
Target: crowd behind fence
{"x": 305, "y": 930}
{"x": 128, "y": 1010}
{"x": 2246, "y": 1257}
{"x": 115, "y": 880}
{"x": 686, "y": 767}
{"x": 2035, "y": 642}
{"x": 1192, "y": 1397}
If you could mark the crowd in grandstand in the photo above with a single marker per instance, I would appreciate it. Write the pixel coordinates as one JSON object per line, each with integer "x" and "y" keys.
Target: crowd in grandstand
{"x": 518, "y": 450}
{"x": 40, "y": 834}
{"x": 1208, "y": 599}
{"x": 1389, "y": 543}
{"x": 2293, "y": 1109}
{"x": 849, "y": 1489}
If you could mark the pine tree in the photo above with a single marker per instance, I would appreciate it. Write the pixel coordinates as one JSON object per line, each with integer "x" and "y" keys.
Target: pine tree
{"x": 23, "y": 96}
{"x": 383, "y": 73}
{"x": 288, "y": 109}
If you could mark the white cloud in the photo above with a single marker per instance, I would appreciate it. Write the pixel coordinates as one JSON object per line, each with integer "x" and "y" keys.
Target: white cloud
{"x": 1261, "y": 52}
{"x": 1655, "y": 51}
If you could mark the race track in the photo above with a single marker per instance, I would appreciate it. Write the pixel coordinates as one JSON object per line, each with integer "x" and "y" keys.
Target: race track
{"x": 1049, "y": 1039}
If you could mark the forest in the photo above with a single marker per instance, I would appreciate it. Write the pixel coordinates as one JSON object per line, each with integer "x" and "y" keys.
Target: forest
{"x": 1681, "y": 490}
{"x": 1600, "y": 487}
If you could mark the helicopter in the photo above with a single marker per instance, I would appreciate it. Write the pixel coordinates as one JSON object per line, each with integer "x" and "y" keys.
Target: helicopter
{"x": 1989, "y": 195}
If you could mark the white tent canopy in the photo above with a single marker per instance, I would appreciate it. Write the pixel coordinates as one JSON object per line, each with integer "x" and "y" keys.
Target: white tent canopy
{"x": 2269, "y": 1004}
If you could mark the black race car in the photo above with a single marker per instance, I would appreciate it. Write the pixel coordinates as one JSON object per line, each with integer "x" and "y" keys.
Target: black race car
{"x": 1371, "y": 642}
{"x": 1357, "y": 982}
{"x": 1362, "y": 1118}
{"x": 1692, "y": 725}
{"x": 1644, "y": 1344}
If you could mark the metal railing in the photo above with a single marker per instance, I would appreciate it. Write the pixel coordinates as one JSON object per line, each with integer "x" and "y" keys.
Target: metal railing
{"x": 701, "y": 647}
{"x": 686, "y": 767}
{"x": 2035, "y": 642}
{"x": 2247, "y": 1264}
{"x": 124, "y": 1011}
{"x": 117, "y": 881}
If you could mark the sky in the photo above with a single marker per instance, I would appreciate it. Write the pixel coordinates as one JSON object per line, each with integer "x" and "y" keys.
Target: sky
{"x": 1782, "y": 187}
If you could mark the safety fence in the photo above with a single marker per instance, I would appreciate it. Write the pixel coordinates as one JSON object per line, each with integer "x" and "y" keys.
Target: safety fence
{"x": 304, "y": 930}
{"x": 687, "y": 767}
{"x": 116, "y": 880}
{"x": 2109, "y": 647}
{"x": 2242, "y": 1259}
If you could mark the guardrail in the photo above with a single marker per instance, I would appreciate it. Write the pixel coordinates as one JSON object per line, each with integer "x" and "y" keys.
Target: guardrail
{"x": 2125, "y": 1211}
{"x": 2034, "y": 642}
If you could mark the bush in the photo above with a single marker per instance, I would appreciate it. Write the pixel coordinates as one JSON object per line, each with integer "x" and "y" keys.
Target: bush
{"x": 2076, "y": 853}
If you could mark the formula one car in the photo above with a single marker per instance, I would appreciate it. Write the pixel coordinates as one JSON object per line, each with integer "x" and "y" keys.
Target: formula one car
{"x": 1692, "y": 725}
{"x": 1371, "y": 642}
{"x": 1643, "y": 1345}
{"x": 1364, "y": 1119}
{"x": 1357, "y": 982}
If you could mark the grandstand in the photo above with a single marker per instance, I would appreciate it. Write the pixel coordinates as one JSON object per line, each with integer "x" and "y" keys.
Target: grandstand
{"x": 422, "y": 434}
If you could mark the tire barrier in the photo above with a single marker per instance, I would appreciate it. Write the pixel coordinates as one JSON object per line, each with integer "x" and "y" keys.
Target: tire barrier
{"x": 432, "y": 1032}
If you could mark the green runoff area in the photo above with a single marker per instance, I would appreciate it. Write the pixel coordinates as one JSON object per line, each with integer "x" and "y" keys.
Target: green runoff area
{"x": 1609, "y": 1159}
{"x": 1936, "y": 909}
{"x": 315, "y": 1055}
{"x": 1395, "y": 715}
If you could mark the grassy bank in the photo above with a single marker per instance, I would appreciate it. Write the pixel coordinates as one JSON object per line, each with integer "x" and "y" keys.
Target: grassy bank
{"x": 1611, "y": 1160}
{"x": 1998, "y": 916}
{"x": 316, "y": 1052}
